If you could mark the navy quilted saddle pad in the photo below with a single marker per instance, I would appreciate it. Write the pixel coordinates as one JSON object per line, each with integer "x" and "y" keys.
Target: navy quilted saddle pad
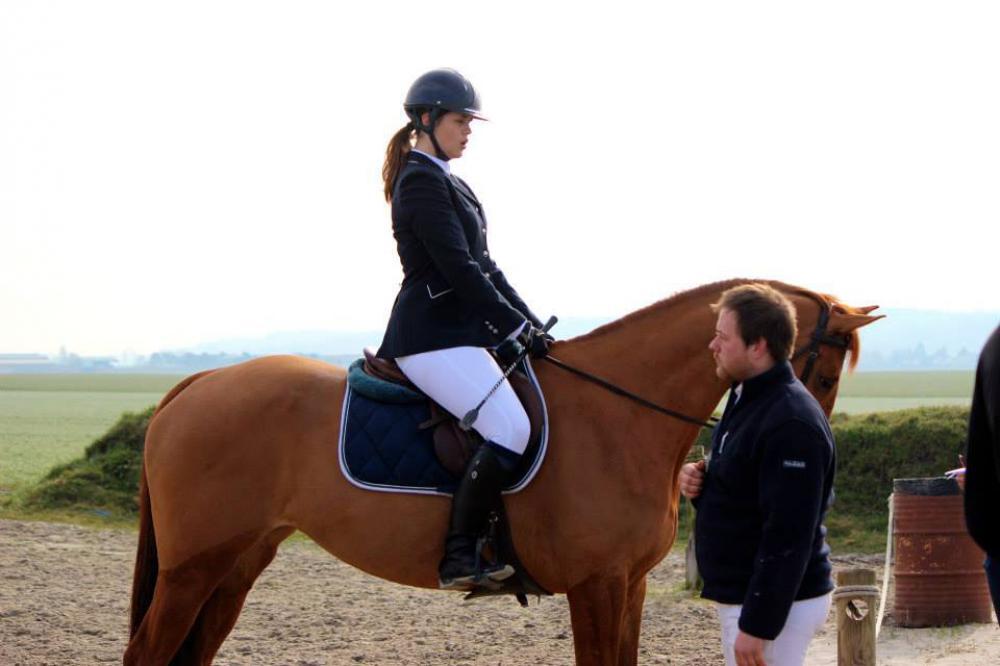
{"x": 381, "y": 448}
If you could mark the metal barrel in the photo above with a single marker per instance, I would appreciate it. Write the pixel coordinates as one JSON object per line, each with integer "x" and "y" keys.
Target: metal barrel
{"x": 939, "y": 576}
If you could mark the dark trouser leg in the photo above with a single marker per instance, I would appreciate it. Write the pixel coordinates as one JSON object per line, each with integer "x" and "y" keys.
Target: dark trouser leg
{"x": 992, "y": 566}
{"x": 478, "y": 492}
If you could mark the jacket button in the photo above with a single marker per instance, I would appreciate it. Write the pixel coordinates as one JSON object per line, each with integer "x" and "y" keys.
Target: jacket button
{"x": 486, "y": 253}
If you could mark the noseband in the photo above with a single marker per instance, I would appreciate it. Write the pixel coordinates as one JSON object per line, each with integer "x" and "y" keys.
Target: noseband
{"x": 819, "y": 337}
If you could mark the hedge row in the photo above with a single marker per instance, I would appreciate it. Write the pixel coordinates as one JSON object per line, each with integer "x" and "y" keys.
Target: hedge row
{"x": 105, "y": 478}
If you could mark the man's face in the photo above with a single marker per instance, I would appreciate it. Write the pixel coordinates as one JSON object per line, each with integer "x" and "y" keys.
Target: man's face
{"x": 732, "y": 356}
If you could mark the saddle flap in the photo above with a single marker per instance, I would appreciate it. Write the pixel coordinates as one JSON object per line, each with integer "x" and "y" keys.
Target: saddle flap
{"x": 454, "y": 446}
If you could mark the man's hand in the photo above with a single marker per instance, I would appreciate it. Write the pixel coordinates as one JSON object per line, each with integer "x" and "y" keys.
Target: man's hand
{"x": 691, "y": 479}
{"x": 749, "y": 650}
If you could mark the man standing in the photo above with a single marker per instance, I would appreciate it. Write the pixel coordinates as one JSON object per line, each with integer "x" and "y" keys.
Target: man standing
{"x": 762, "y": 494}
{"x": 982, "y": 476}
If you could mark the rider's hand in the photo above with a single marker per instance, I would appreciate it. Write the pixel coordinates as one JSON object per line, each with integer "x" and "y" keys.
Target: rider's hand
{"x": 691, "y": 479}
{"x": 508, "y": 351}
{"x": 537, "y": 342}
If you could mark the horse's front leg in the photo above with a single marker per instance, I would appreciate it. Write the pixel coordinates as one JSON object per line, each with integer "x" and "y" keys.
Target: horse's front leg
{"x": 628, "y": 652}
{"x": 597, "y": 608}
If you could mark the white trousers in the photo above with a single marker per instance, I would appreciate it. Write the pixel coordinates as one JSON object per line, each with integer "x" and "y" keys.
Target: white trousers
{"x": 789, "y": 647}
{"x": 458, "y": 378}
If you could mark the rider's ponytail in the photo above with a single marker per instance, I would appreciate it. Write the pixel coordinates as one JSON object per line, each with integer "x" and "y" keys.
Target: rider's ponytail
{"x": 395, "y": 153}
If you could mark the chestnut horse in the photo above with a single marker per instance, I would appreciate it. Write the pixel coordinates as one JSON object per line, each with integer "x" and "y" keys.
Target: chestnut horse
{"x": 237, "y": 459}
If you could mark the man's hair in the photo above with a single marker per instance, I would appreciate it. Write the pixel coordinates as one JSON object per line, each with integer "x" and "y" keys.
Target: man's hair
{"x": 762, "y": 312}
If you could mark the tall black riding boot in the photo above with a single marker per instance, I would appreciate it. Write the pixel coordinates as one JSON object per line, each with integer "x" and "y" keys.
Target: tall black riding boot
{"x": 478, "y": 492}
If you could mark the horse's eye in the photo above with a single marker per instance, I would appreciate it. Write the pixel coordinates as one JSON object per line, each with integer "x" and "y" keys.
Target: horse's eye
{"x": 826, "y": 383}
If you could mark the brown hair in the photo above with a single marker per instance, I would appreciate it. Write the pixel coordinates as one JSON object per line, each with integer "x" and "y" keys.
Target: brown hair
{"x": 762, "y": 312}
{"x": 395, "y": 154}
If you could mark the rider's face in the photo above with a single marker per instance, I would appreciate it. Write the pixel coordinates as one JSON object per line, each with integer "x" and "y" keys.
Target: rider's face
{"x": 732, "y": 356}
{"x": 452, "y": 132}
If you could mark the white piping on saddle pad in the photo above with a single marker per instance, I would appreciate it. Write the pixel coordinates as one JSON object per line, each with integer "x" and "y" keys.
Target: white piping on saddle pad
{"x": 387, "y": 488}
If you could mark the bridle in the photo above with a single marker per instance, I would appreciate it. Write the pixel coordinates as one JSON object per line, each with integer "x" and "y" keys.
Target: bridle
{"x": 819, "y": 337}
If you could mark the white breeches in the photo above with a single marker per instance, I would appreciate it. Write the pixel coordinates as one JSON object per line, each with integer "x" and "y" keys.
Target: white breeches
{"x": 805, "y": 618}
{"x": 458, "y": 378}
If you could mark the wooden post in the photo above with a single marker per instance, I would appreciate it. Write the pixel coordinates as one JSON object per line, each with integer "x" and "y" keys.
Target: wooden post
{"x": 692, "y": 579}
{"x": 856, "y": 599}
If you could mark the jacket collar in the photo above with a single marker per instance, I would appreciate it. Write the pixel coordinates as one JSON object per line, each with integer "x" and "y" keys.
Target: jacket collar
{"x": 456, "y": 182}
{"x": 430, "y": 159}
{"x": 779, "y": 373}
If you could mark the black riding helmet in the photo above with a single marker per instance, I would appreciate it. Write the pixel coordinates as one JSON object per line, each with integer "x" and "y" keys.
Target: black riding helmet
{"x": 437, "y": 92}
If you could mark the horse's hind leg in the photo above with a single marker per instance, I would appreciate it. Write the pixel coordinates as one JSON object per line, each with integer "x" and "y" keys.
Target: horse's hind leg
{"x": 180, "y": 594}
{"x": 219, "y": 614}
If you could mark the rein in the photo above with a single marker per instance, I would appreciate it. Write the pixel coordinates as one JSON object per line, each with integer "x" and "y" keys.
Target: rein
{"x": 819, "y": 337}
{"x": 628, "y": 394}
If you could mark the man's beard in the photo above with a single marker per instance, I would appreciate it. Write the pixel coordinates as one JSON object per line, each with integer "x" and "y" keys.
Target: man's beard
{"x": 723, "y": 374}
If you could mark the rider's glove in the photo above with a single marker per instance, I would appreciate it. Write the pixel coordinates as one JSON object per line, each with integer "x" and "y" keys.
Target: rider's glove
{"x": 509, "y": 351}
{"x": 536, "y": 341}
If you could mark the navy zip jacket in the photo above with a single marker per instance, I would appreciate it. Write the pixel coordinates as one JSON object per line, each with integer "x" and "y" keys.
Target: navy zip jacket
{"x": 759, "y": 537}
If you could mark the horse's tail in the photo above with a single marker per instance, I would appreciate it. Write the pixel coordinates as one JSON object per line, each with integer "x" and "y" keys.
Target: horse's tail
{"x": 147, "y": 564}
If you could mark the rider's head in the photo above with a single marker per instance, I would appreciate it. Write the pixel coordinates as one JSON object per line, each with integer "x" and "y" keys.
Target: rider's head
{"x": 440, "y": 104}
{"x": 755, "y": 329}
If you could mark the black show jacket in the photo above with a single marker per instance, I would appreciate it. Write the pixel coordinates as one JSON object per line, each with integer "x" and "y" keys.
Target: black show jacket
{"x": 452, "y": 294}
{"x": 759, "y": 537}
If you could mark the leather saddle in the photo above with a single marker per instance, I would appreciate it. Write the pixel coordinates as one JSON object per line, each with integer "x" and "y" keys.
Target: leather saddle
{"x": 452, "y": 445}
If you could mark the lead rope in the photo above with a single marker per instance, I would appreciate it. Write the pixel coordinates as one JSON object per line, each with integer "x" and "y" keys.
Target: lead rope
{"x": 885, "y": 571}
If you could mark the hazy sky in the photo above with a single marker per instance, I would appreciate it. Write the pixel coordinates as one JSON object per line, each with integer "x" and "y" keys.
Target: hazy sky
{"x": 176, "y": 172}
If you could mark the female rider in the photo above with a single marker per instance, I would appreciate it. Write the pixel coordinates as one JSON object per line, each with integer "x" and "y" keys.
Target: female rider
{"x": 453, "y": 305}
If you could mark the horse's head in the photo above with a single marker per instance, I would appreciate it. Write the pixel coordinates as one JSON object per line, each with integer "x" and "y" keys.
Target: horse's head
{"x": 828, "y": 333}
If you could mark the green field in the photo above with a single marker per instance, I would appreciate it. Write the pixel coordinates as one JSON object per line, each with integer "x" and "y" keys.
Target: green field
{"x": 50, "y": 419}
{"x": 865, "y": 392}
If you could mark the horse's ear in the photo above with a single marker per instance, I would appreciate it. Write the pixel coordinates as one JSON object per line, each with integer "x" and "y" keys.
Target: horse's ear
{"x": 852, "y": 322}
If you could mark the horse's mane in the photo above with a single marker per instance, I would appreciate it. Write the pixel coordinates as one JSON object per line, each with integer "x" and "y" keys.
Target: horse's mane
{"x": 854, "y": 341}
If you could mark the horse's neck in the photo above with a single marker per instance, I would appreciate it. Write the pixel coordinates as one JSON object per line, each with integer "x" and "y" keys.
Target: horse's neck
{"x": 660, "y": 353}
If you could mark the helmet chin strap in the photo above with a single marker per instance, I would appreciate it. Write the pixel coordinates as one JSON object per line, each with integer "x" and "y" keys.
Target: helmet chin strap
{"x": 437, "y": 149}
{"x": 418, "y": 124}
